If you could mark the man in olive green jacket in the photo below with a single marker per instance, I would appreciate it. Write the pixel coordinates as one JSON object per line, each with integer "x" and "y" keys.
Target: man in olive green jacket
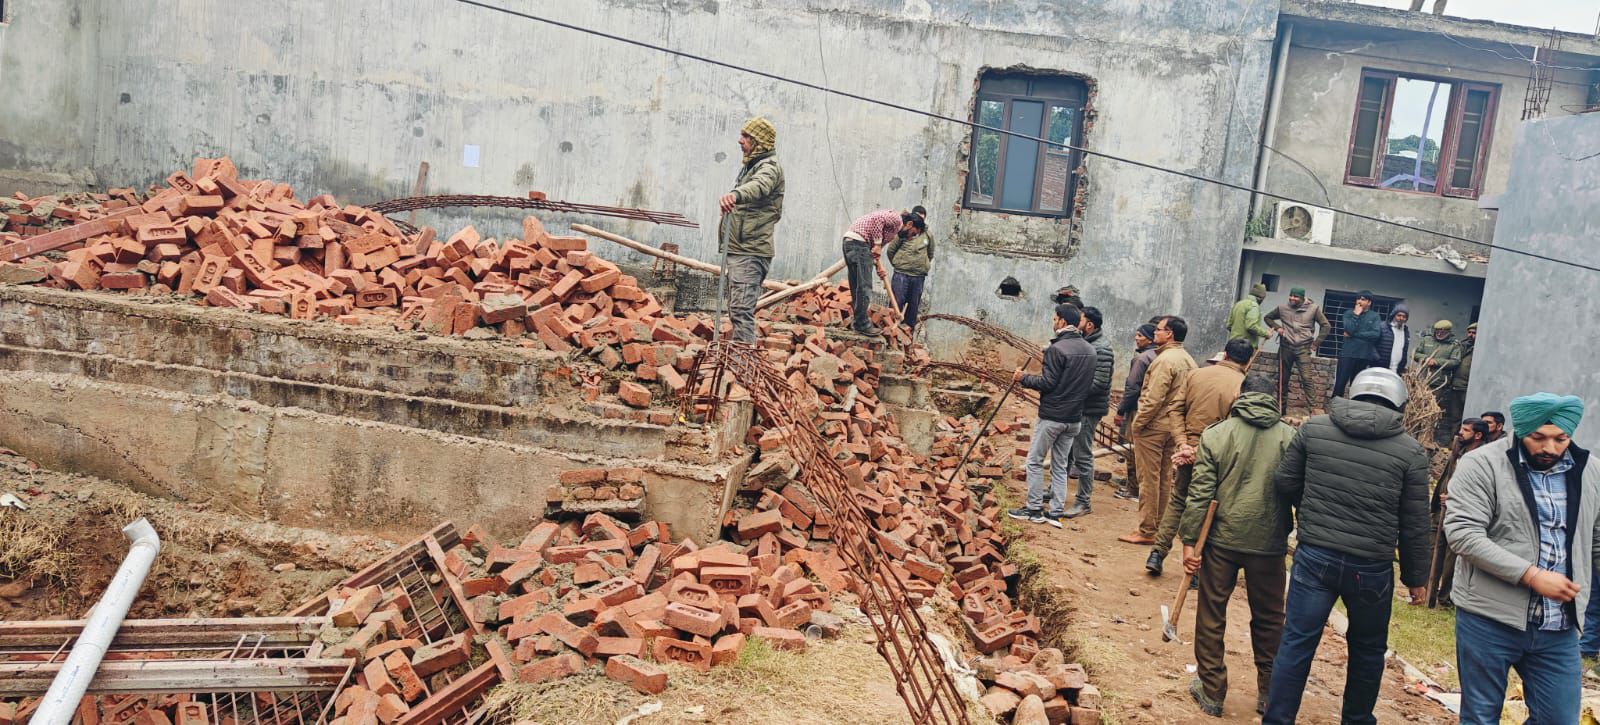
{"x": 1244, "y": 320}
{"x": 1249, "y": 532}
{"x": 750, "y": 214}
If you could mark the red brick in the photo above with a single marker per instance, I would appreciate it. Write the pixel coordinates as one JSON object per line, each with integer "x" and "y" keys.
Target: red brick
{"x": 634, "y": 394}
{"x": 600, "y": 280}
{"x": 693, "y": 620}
{"x": 551, "y": 668}
{"x": 793, "y": 615}
{"x": 752, "y": 526}
{"x": 570, "y": 634}
{"x": 442, "y": 655}
{"x": 637, "y": 673}
{"x": 782, "y": 639}
{"x": 726, "y": 650}
{"x": 727, "y": 580}
{"x": 613, "y": 646}
{"x": 378, "y": 678}
{"x": 691, "y": 654}
{"x": 581, "y": 476}
{"x": 382, "y": 650}
{"x": 391, "y": 708}
{"x": 357, "y": 607}
{"x": 617, "y": 590}
{"x": 123, "y": 280}
{"x": 404, "y": 675}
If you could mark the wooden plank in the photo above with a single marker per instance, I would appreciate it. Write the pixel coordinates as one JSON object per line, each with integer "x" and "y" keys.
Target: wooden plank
{"x": 271, "y": 632}
{"x": 185, "y": 676}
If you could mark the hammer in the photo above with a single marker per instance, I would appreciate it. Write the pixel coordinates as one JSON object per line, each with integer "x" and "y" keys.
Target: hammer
{"x": 1169, "y": 617}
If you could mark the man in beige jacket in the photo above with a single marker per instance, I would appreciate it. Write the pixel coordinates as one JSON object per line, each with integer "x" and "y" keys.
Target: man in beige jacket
{"x": 1157, "y": 427}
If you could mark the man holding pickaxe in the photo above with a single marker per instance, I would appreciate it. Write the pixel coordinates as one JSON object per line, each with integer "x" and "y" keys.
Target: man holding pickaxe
{"x": 1233, "y": 466}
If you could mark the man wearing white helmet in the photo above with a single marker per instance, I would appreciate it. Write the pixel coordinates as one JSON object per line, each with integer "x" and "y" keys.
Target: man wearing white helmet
{"x": 1359, "y": 486}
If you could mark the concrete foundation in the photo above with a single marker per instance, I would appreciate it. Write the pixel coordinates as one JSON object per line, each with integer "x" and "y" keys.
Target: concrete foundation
{"x": 313, "y": 423}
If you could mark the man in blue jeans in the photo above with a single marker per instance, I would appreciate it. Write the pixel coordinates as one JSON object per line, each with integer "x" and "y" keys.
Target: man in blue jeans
{"x": 1359, "y": 487}
{"x": 1522, "y": 519}
{"x": 1064, "y": 384}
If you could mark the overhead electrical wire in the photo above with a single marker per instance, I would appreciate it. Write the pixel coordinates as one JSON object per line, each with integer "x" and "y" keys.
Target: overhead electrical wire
{"x": 1013, "y": 134}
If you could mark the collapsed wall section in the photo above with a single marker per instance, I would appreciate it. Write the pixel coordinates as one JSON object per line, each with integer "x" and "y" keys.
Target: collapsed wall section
{"x": 313, "y": 423}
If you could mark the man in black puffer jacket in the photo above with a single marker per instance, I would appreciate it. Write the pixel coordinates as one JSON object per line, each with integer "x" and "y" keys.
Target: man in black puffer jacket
{"x": 1359, "y": 487}
{"x": 1095, "y": 407}
{"x": 1063, "y": 385}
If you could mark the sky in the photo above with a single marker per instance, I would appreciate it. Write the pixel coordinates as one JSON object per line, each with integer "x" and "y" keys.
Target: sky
{"x": 1574, "y": 15}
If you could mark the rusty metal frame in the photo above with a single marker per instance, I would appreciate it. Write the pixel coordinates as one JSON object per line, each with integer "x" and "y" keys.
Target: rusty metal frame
{"x": 1007, "y": 337}
{"x": 923, "y": 683}
{"x": 413, "y": 203}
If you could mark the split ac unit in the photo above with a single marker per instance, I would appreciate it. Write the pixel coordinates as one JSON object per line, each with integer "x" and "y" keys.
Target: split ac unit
{"x": 1302, "y": 223}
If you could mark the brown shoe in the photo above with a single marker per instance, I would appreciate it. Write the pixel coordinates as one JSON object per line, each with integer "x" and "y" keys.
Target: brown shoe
{"x": 1136, "y": 539}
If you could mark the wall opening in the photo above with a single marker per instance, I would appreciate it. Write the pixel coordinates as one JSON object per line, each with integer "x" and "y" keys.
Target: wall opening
{"x": 1270, "y": 281}
{"x": 1010, "y": 288}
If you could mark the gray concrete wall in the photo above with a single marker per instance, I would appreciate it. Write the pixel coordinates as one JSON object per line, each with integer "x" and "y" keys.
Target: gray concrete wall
{"x": 48, "y": 54}
{"x": 1536, "y": 329}
{"x": 1318, "y": 107}
{"x": 348, "y": 98}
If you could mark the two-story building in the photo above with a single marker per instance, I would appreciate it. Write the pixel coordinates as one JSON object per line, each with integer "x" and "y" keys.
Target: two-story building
{"x": 1407, "y": 117}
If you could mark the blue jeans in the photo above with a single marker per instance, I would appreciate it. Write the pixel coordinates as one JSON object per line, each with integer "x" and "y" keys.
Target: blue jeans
{"x": 908, "y": 292}
{"x": 1054, "y": 440}
{"x": 1547, "y": 662}
{"x": 1083, "y": 459}
{"x": 1589, "y": 646}
{"x": 1318, "y": 578}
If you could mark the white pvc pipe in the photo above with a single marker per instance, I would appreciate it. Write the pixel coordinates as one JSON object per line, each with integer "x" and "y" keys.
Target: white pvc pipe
{"x": 66, "y": 691}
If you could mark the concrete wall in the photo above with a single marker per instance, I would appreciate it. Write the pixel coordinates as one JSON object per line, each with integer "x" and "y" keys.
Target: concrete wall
{"x": 48, "y": 54}
{"x": 1318, "y": 107}
{"x": 1535, "y": 332}
{"x": 1431, "y": 297}
{"x": 348, "y": 98}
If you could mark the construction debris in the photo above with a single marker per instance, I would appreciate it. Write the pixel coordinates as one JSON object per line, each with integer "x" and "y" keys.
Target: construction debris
{"x": 835, "y": 505}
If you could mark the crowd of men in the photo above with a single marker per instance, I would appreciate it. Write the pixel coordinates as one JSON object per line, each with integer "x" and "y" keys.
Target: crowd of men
{"x": 1507, "y": 534}
{"x": 1507, "y": 515}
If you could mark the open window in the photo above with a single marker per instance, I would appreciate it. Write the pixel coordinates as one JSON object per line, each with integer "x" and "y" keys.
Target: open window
{"x": 1019, "y": 175}
{"x": 1421, "y": 134}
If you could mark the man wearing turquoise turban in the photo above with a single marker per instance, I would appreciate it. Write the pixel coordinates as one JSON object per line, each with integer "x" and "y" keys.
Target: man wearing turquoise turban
{"x": 1522, "y": 518}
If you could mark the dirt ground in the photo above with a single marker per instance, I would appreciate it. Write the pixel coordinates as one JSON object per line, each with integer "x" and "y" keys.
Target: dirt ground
{"x": 58, "y": 555}
{"x": 1116, "y": 629}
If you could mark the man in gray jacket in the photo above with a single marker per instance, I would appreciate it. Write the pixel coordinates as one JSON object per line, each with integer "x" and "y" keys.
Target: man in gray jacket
{"x": 1522, "y": 520}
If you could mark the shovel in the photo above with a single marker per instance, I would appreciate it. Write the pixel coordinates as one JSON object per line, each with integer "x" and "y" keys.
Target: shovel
{"x": 1169, "y": 616}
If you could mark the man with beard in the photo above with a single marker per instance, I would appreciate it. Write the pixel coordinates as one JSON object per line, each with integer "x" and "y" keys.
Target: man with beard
{"x": 1463, "y": 376}
{"x": 1144, "y": 353}
{"x": 1525, "y": 541}
{"x": 862, "y": 244}
{"x": 1472, "y": 433}
{"x": 751, "y": 212}
{"x": 1497, "y": 425}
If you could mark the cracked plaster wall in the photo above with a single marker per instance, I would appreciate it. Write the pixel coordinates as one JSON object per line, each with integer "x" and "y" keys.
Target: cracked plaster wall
{"x": 348, "y": 97}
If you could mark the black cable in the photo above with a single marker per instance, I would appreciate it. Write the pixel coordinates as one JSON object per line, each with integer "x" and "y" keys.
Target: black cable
{"x": 1013, "y": 134}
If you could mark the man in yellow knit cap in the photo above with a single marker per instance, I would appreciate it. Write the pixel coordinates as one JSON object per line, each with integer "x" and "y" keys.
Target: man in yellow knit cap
{"x": 750, "y": 215}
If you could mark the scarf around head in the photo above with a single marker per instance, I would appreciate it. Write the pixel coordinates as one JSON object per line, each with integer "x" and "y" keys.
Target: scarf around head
{"x": 762, "y": 132}
{"x": 1529, "y": 412}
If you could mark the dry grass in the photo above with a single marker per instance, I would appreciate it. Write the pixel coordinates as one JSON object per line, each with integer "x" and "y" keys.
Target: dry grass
{"x": 32, "y": 547}
{"x": 843, "y": 681}
{"x": 1422, "y": 412}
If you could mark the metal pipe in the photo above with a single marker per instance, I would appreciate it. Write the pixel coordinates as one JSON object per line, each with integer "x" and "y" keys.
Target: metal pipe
{"x": 61, "y": 701}
{"x": 1274, "y": 101}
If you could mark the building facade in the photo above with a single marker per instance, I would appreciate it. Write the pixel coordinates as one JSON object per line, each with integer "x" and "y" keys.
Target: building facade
{"x": 348, "y": 98}
{"x": 1404, "y": 116}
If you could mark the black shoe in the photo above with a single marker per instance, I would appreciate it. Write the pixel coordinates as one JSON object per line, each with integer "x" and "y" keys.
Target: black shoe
{"x": 1077, "y": 510}
{"x": 1024, "y": 514}
{"x": 869, "y": 331}
{"x": 1153, "y": 564}
{"x": 1054, "y": 521}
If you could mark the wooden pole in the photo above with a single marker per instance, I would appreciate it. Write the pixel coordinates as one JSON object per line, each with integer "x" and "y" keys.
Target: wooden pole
{"x": 815, "y": 282}
{"x": 417, "y": 189}
{"x": 694, "y": 264}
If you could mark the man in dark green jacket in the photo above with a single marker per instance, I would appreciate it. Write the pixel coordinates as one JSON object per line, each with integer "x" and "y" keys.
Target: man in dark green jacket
{"x": 1250, "y": 533}
{"x": 1359, "y": 486}
{"x": 911, "y": 257}
{"x": 750, "y": 214}
{"x": 1363, "y": 329}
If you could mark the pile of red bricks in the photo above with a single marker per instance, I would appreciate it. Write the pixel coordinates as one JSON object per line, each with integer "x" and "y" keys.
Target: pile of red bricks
{"x": 613, "y": 491}
{"x": 252, "y": 245}
{"x": 24, "y": 216}
{"x": 573, "y": 594}
{"x": 829, "y": 305}
{"x": 1038, "y": 686}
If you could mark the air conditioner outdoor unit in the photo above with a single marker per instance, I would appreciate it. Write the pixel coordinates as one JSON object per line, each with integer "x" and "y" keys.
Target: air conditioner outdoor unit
{"x": 1302, "y": 223}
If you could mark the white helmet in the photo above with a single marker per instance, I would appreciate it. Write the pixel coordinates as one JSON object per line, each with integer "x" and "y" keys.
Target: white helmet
{"x": 1383, "y": 383}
